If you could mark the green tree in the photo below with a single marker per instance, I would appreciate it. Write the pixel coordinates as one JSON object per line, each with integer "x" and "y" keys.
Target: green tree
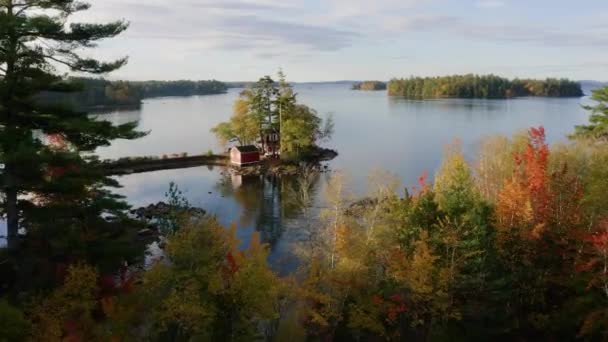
{"x": 13, "y": 326}
{"x": 598, "y": 121}
{"x": 47, "y": 148}
{"x": 209, "y": 289}
{"x": 299, "y": 129}
{"x": 243, "y": 127}
{"x": 262, "y": 99}
{"x": 454, "y": 184}
{"x": 68, "y": 312}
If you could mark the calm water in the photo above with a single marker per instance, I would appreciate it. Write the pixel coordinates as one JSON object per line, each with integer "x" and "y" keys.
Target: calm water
{"x": 373, "y": 131}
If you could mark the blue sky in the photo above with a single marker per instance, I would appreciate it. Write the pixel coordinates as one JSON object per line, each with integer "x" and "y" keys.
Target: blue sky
{"x": 319, "y": 40}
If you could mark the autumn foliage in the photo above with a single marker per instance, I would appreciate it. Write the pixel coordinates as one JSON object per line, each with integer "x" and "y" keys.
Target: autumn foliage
{"x": 516, "y": 249}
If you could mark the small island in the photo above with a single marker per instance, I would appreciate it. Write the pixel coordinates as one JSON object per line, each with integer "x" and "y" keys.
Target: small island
{"x": 482, "y": 87}
{"x": 269, "y": 128}
{"x": 369, "y": 85}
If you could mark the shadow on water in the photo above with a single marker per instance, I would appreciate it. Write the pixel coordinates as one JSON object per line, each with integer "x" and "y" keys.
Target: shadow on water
{"x": 448, "y": 104}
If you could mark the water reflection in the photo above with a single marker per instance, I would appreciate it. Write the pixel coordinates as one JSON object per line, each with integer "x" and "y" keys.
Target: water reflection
{"x": 119, "y": 117}
{"x": 3, "y": 240}
{"x": 268, "y": 202}
{"x": 487, "y": 105}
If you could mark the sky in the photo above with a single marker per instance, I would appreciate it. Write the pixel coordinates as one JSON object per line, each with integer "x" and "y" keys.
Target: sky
{"x": 327, "y": 40}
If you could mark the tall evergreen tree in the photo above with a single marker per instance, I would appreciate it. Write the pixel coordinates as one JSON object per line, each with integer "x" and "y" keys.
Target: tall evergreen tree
{"x": 52, "y": 185}
{"x": 597, "y": 128}
{"x": 285, "y": 103}
{"x": 262, "y": 98}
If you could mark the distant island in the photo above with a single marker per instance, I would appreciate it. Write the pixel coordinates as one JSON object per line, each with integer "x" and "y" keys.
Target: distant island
{"x": 91, "y": 93}
{"x": 369, "y": 85}
{"x": 482, "y": 86}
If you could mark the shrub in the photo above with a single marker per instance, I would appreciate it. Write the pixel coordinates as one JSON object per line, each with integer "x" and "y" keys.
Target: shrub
{"x": 13, "y": 325}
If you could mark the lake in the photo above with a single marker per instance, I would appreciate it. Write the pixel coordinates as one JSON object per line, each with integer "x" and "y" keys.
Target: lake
{"x": 372, "y": 131}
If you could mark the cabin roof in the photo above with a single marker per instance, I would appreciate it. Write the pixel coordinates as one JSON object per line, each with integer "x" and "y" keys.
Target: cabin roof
{"x": 247, "y": 149}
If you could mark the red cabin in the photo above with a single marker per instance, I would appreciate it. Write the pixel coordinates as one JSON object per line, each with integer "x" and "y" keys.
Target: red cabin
{"x": 244, "y": 155}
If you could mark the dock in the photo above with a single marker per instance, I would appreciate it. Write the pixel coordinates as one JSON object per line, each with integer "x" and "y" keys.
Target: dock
{"x": 125, "y": 166}
{"x": 131, "y": 165}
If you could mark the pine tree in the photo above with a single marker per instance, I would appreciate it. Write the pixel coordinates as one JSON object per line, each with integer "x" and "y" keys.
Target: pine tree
{"x": 598, "y": 121}
{"x": 262, "y": 99}
{"x": 48, "y": 149}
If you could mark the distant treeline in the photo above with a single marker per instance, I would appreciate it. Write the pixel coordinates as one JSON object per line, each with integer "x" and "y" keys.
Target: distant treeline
{"x": 486, "y": 86}
{"x": 179, "y": 88}
{"x": 369, "y": 85}
{"x": 96, "y": 93}
{"x": 100, "y": 93}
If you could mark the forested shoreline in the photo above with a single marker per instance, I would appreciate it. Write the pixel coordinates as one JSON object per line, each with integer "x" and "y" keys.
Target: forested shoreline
{"x": 482, "y": 86}
{"x": 149, "y": 89}
{"x": 97, "y": 93}
{"x": 369, "y": 85}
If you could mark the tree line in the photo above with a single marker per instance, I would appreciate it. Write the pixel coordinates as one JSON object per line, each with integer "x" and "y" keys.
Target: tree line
{"x": 482, "y": 86}
{"x": 89, "y": 93}
{"x": 149, "y": 89}
{"x": 369, "y": 85}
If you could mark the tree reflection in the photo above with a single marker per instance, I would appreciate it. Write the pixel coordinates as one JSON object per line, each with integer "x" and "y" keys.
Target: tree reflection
{"x": 269, "y": 201}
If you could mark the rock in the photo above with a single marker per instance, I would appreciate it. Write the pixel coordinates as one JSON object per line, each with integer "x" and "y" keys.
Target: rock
{"x": 160, "y": 209}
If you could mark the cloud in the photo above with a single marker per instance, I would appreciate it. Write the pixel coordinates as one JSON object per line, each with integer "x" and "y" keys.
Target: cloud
{"x": 507, "y": 32}
{"x": 287, "y": 33}
{"x": 491, "y": 4}
{"x": 230, "y": 25}
{"x": 263, "y": 24}
{"x": 182, "y": 33}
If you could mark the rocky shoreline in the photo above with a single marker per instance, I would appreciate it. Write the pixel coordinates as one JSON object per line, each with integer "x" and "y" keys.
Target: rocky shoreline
{"x": 277, "y": 167}
{"x": 162, "y": 209}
